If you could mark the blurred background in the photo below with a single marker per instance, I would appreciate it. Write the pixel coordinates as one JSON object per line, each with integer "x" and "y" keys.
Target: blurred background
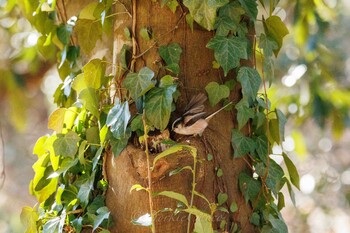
{"x": 311, "y": 85}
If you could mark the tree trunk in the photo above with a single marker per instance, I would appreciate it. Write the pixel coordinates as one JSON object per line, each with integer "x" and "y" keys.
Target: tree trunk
{"x": 130, "y": 168}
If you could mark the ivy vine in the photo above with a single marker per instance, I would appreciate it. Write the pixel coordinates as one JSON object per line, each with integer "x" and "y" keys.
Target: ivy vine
{"x": 93, "y": 113}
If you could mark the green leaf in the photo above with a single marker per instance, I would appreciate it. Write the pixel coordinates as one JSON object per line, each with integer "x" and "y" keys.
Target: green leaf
{"x": 262, "y": 147}
{"x": 268, "y": 45}
{"x": 241, "y": 144}
{"x": 251, "y": 7}
{"x": 219, "y": 173}
{"x": 274, "y": 177}
{"x": 244, "y": 112}
{"x": 233, "y": 207}
{"x": 118, "y": 118}
{"x": 274, "y": 133}
{"x": 255, "y": 219}
{"x": 222, "y": 198}
{"x": 228, "y": 51}
{"x": 52, "y": 226}
{"x": 204, "y": 11}
{"x": 103, "y": 213}
{"x": 88, "y": 32}
{"x": 29, "y": 217}
{"x": 63, "y": 33}
{"x": 282, "y": 120}
{"x": 145, "y": 34}
{"x": 291, "y": 192}
{"x": 203, "y": 225}
{"x": 278, "y": 225}
{"x": 292, "y": 170}
{"x": 275, "y": 29}
{"x": 94, "y": 72}
{"x": 216, "y": 92}
{"x": 281, "y": 203}
{"x": 174, "y": 195}
{"x": 139, "y": 83}
{"x": 172, "y": 4}
{"x": 77, "y": 224}
{"x": 90, "y": 100}
{"x": 171, "y": 55}
{"x": 250, "y": 81}
{"x": 137, "y": 187}
{"x": 158, "y": 106}
{"x": 119, "y": 144}
{"x": 92, "y": 135}
{"x": 56, "y": 120}
{"x": 85, "y": 189}
{"x": 66, "y": 145}
{"x": 174, "y": 149}
{"x": 249, "y": 186}
{"x": 124, "y": 56}
{"x": 224, "y": 25}
{"x": 199, "y": 214}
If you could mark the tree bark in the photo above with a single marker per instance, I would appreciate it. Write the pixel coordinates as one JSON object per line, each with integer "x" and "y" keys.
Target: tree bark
{"x": 129, "y": 167}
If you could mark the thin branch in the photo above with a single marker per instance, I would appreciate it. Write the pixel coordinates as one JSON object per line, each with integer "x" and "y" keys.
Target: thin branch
{"x": 2, "y": 159}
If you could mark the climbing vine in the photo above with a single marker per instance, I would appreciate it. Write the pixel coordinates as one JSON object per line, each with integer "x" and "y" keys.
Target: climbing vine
{"x": 93, "y": 114}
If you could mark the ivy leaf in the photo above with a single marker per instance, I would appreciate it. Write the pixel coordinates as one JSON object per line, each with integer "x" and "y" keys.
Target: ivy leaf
{"x": 278, "y": 224}
{"x": 282, "y": 120}
{"x": 262, "y": 147}
{"x": 276, "y": 29}
{"x": 224, "y": 25}
{"x": 85, "y": 189}
{"x": 118, "y": 145}
{"x": 103, "y": 213}
{"x": 267, "y": 45}
{"x": 145, "y": 34}
{"x": 228, "y": 51}
{"x": 139, "y": 83}
{"x": 222, "y": 198}
{"x": 274, "y": 177}
{"x": 174, "y": 195}
{"x": 56, "y": 120}
{"x": 251, "y": 7}
{"x": 244, "y": 113}
{"x": 250, "y": 81}
{"x": 171, "y": 55}
{"x": 94, "y": 72}
{"x": 241, "y": 144}
{"x": 292, "y": 170}
{"x": 216, "y": 92}
{"x": 249, "y": 186}
{"x": 172, "y": 4}
{"x": 63, "y": 33}
{"x": 52, "y": 225}
{"x": 88, "y": 32}
{"x": 90, "y": 100}
{"x": 204, "y": 11}
{"x": 118, "y": 119}
{"x": 66, "y": 145}
{"x": 158, "y": 106}
{"x": 274, "y": 131}
{"x": 28, "y": 218}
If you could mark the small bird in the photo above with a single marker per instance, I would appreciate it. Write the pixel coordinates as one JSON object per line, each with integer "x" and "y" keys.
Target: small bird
{"x": 194, "y": 120}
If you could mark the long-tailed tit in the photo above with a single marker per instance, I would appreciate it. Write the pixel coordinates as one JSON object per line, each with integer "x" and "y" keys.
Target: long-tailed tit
{"x": 194, "y": 120}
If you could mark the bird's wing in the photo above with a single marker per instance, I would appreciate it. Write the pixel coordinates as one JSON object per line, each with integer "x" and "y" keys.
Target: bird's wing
{"x": 195, "y": 105}
{"x": 191, "y": 119}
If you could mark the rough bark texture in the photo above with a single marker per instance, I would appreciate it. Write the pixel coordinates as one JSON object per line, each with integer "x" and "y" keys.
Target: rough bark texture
{"x": 129, "y": 167}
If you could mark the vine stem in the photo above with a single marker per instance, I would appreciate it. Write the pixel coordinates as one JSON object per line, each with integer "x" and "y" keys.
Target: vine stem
{"x": 149, "y": 177}
{"x": 192, "y": 191}
{"x": 134, "y": 42}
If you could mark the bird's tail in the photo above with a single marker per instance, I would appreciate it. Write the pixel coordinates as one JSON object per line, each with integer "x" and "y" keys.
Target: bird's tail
{"x": 216, "y": 112}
